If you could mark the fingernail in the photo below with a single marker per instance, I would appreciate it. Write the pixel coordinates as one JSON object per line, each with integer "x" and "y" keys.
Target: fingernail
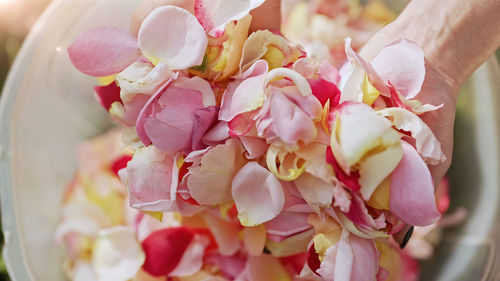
{"x": 407, "y": 237}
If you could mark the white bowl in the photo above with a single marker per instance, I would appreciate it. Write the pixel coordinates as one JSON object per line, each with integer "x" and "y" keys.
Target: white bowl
{"x": 47, "y": 108}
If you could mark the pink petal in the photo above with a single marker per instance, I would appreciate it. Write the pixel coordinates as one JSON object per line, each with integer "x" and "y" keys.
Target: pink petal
{"x": 265, "y": 267}
{"x": 219, "y": 133}
{"x": 103, "y": 51}
{"x": 254, "y": 239}
{"x": 152, "y": 176}
{"x": 107, "y": 95}
{"x": 215, "y": 14}
{"x": 172, "y": 35}
{"x": 328, "y": 72}
{"x": 291, "y": 123}
{"x": 365, "y": 262}
{"x": 359, "y": 215}
{"x": 173, "y": 114}
{"x": 128, "y": 113}
{"x": 245, "y": 94}
{"x": 287, "y": 224}
{"x": 210, "y": 183}
{"x": 204, "y": 120}
{"x": 255, "y": 147}
{"x": 412, "y": 190}
{"x": 402, "y": 63}
{"x": 258, "y": 195}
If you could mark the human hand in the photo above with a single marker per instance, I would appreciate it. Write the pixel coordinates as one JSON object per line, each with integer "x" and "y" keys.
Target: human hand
{"x": 266, "y": 16}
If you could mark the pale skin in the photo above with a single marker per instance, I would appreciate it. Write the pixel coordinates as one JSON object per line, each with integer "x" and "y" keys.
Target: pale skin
{"x": 457, "y": 37}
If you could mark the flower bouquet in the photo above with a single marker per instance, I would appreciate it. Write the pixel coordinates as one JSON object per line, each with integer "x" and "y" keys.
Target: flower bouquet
{"x": 247, "y": 158}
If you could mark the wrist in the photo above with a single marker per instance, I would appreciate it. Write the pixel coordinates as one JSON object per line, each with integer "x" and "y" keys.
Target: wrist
{"x": 457, "y": 35}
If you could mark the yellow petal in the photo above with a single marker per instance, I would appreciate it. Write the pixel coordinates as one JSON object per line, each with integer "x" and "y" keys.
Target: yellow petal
{"x": 370, "y": 93}
{"x": 380, "y": 198}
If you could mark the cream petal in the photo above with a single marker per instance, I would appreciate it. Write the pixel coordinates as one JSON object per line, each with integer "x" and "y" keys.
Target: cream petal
{"x": 173, "y": 35}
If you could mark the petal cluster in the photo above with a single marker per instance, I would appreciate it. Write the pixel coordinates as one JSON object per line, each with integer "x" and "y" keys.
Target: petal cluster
{"x": 250, "y": 159}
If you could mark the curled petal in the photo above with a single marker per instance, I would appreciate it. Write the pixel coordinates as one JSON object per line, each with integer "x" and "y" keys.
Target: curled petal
{"x": 426, "y": 142}
{"x": 142, "y": 78}
{"x": 264, "y": 42}
{"x": 258, "y": 195}
{"x": 214, "y": 15}
{"x": 402, "y": 63}
{"x": 299, "y": 80}
{"x": 290, "y": 165}
{"x": 117, "y": 255}
{"x": 103, "y": 51}
{"x": 172, "y": 35}
{"x": 412, "y": 190}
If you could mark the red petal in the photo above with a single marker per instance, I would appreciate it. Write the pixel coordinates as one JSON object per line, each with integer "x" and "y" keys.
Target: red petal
{"x": 164, "y": 249}
{"x": 120, "y": 163}
{"x": 324, "y": 91}
{"x": 350, "y": 181}
{"x": 313, "y": 259}
{"x": 107, "y": 95}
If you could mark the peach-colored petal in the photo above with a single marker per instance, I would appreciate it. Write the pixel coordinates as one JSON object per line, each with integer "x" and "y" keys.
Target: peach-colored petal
{"x": 210, "y": 182}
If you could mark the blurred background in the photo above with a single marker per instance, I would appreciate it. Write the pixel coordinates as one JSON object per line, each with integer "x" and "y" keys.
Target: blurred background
{"x": 16, "y": 20}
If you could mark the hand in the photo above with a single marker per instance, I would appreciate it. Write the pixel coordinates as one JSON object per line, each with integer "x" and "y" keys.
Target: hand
{"x": 266, "y": 16}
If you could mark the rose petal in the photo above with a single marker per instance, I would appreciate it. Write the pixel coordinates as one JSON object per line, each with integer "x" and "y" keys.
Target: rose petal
{"x": 215, "y": 14}
{"x": 254, "y": 239}
{"x": 107, "y": 95}
{"x": 245, "y": 94}
{"x": 375, "y": 168}
{"x": 210, "y": 183}
{"x": 117, "y": 254}
{"x": 426, "y": 142}
{"x": 225, "y": 233}
{"x": 317, "y": 193}
{"x": 142, "y": 78}
{"x": 258, "y": 195}
{"x": 412, "y": 190}
{"x": 204, "y": 120}
{"x": 365, "y": 259}
{"x": 103, "y": 51}
{"x": 192, "y": 259}
{"x": 358, "y": 130}
{"x": 152, "y": 177}
{"x": 164, "y": 250}
{"x": 173, "y": 35}
{"x": 402, "y": 63}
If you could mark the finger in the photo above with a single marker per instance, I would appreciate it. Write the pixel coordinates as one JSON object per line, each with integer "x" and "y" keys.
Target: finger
{"x": 267, "y": 16}
{"x": 404, "y": 236}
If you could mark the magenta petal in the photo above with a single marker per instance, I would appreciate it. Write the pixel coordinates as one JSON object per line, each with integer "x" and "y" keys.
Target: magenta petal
{"x": 103, "y": 51}
{"x": 324, "y": 91}
{"x": 107, "y": 95}
{"x": 412, "y": 190}
{"x": 204, "y": 120}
